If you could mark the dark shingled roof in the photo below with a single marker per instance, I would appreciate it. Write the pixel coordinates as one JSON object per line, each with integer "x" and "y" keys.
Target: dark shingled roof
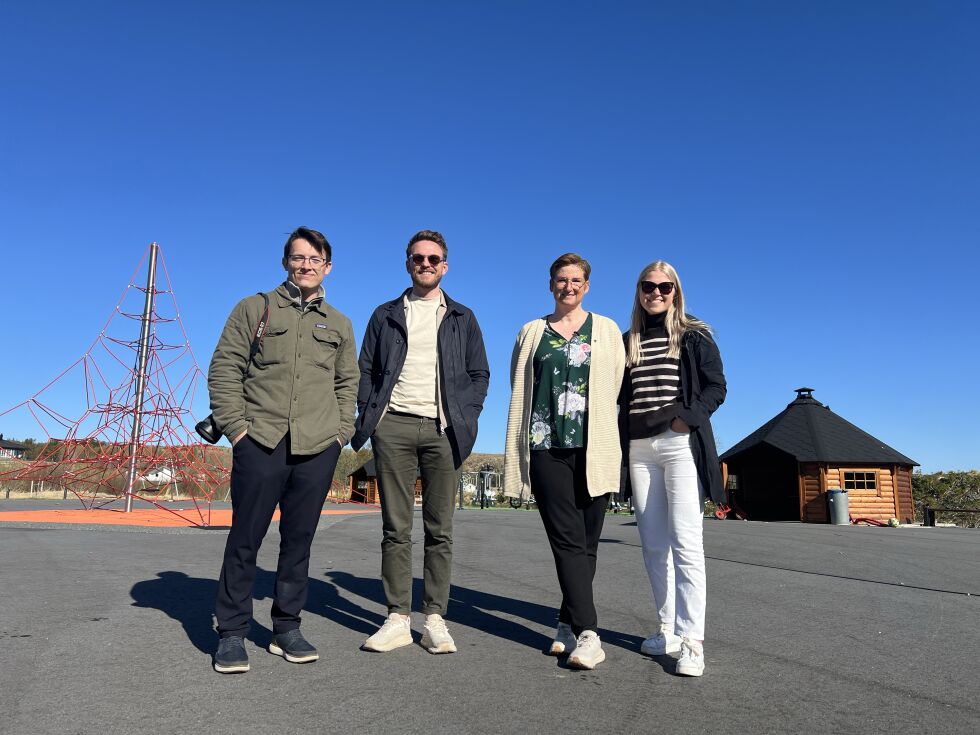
{"x": 811, "y": 432}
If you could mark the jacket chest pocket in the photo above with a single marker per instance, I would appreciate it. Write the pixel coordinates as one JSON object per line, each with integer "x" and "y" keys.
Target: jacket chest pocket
{"x": 325, "y": 345}
{"x": 275, "y": 346}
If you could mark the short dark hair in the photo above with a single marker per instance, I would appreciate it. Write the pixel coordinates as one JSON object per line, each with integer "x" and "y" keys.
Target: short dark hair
{"x": 571, "y": 259}
{"x": 314, "y": 238}
{"x": 431, "y": 235}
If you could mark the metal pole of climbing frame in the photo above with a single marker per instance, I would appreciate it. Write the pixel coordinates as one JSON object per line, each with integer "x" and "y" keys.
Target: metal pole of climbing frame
{"x": 141, "y": 360}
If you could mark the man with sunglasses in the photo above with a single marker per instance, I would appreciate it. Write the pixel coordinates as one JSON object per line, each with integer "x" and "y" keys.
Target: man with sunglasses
{"x": 287, "y": 410}
{"x": 424, "y": 377}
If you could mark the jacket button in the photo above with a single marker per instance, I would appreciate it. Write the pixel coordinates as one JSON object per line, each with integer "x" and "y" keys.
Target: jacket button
{"x": 387, "y": 372}
{"x": 398, "y": 340}
{"x": 374, "y": 405}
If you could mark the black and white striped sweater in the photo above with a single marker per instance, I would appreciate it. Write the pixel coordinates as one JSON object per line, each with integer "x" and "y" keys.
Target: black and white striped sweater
{"x": 653, "y": 385}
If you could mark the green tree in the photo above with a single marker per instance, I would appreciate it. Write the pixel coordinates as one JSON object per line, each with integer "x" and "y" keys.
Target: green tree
{"x": 950, "y": 490}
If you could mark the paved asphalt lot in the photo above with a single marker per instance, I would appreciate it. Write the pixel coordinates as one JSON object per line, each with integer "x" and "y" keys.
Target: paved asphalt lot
{"x": 810, "y": 629}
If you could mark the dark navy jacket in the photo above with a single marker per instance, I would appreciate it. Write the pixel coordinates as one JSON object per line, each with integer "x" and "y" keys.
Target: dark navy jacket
{"x": 703, "y": 389}
{"x": 464, "y": 373}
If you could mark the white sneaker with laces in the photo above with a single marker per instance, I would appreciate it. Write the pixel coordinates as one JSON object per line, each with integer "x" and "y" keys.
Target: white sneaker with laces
{"x": 395, "y": 633}
{"x": 436, "y": 638}
{"x": 661, "y": 642}
{"x": 564, "y": 640}
{"x": 691, "y": 662}
{"x": 588, "y": 651}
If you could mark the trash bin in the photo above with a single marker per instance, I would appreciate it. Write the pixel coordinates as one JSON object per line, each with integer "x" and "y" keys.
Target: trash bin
{"x": 837, "y": 502}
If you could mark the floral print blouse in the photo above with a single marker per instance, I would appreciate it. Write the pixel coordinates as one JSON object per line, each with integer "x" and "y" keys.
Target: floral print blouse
{"x": 561, "y": 389}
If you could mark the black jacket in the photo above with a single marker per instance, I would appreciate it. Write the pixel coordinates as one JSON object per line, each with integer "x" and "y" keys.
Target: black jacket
{"x": 703, "y": 389}
{"x": 464, "y": 373}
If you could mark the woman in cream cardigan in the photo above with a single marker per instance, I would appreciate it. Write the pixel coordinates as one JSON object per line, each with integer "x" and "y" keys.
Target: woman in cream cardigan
{"x": 563, "y": 444}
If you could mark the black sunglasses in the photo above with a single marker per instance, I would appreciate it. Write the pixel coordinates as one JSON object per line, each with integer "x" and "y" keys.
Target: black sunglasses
{"x": 649, "y": 287}
{"x": 420, "y": 259}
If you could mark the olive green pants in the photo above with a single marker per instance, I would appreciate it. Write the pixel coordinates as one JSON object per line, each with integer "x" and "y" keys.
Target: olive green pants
{"x": 404, "y": 448}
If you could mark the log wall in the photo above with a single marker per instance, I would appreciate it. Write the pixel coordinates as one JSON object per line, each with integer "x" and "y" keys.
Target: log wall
{"x": 813, "y": 501}
{"x": 880, "y": 504}
{"x": 903, "y": 485}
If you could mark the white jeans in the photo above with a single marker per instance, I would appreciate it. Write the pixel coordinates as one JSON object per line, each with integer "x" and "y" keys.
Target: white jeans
{"x": 669, "y": 514}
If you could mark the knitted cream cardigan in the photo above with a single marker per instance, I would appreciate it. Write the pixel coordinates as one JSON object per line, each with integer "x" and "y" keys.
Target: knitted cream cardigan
{"x": 602, "y": 451}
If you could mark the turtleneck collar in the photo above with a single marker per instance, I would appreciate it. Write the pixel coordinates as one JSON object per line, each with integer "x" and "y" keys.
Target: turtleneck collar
{"x": 654, "y": 321}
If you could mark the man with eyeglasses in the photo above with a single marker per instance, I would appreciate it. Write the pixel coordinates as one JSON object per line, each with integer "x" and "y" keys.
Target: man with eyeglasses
{"x": 424, "y": 377}
{"x": 288, "y": 409}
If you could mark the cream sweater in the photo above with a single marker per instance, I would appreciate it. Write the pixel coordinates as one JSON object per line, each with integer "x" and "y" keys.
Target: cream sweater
{"x": 602, "y": 452}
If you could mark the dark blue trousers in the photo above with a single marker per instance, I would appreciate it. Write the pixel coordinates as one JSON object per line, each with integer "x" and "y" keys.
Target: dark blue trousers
{"x": 261, "y": 479}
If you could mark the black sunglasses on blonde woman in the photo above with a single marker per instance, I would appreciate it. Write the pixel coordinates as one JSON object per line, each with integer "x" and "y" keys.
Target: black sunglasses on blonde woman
{"x": 649, "y": 287}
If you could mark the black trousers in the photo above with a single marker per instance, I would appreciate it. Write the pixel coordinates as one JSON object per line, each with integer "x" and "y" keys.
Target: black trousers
{"x": 262, "y": 478}
{"x": 573, "y": 521}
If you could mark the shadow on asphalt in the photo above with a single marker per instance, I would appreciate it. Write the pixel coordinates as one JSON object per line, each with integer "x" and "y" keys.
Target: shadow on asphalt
{"x": 469, "y": 607}
{"x": 190, "y": 601}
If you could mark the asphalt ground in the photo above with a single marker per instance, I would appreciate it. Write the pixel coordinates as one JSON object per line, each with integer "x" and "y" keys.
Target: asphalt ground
{"x": 810, "y": 629}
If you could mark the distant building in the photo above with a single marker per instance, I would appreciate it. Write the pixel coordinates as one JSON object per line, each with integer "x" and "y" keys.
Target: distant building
{"x": 782, "y": 470}
{"x": 363, "y": 484}
{"x": 11, "y": 450}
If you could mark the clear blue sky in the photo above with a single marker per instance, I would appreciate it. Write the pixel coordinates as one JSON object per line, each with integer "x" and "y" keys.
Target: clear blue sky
{"x": 811, "y": 168}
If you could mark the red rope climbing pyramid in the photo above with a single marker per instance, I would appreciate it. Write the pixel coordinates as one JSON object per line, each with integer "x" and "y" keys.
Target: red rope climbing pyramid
{"x": 118, "y": 421}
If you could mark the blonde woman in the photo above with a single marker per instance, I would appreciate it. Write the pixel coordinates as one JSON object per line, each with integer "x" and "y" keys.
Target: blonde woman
{"x": 674, "y": 382}
{"x": 562, "y": 443}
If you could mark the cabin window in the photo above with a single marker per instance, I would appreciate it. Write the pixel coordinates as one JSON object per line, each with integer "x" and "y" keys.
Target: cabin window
{"x": 861, "y": 480}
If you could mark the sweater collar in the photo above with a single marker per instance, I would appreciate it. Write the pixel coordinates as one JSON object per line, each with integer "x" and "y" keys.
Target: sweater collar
{"x": 654, "y": 322}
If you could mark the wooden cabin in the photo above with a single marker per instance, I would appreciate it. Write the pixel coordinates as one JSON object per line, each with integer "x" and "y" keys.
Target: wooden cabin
{"x": 363, "y": 484}
{"x": 783, "y": 470}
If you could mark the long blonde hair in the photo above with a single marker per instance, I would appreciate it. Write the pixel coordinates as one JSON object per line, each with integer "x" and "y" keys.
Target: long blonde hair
{"x": 676, "y": 322}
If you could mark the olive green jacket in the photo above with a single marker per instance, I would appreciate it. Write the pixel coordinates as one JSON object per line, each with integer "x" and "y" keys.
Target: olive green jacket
{"x": 302, "y": 381}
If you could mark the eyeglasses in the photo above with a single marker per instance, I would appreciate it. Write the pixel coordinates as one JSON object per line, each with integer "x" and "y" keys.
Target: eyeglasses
{"x": 664, "y": 288}
{"x": 418, "y": 259}
{"x": 575, "y": 283}
{"x": 315, "y": 261}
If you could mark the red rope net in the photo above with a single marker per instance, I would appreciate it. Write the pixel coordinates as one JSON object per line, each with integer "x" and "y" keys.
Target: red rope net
{"x": 89, "y": 456}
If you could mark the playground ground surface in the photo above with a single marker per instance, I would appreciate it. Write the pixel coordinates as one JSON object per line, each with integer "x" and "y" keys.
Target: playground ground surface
{"x": 107, "y": 629}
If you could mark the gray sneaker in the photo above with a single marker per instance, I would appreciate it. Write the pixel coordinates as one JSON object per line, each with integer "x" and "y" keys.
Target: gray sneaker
{"x": 231, "y": 658}
{"x": 564, "y": 640}
{"x": 436, "y": 638}
{"x": 293, "y": 647}
{"x": 395, "y": 633}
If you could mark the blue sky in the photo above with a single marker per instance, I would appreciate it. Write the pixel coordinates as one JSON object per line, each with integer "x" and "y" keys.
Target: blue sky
{"x": 811, "y": 168}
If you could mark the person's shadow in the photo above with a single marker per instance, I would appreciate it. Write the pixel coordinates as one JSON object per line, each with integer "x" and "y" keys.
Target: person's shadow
{"x": 469, "y": 607}
{"x": 190, "y": 601}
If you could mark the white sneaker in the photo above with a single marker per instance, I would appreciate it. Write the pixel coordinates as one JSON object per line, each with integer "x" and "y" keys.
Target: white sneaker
{"x": 691, "y": 662}
{"x": 661, "y": 643}
{"x": 395, "y": 633}
{"x": 564, "y": 640}
{"x": 588, "y": 651}
{"x": 436, "y": 638}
